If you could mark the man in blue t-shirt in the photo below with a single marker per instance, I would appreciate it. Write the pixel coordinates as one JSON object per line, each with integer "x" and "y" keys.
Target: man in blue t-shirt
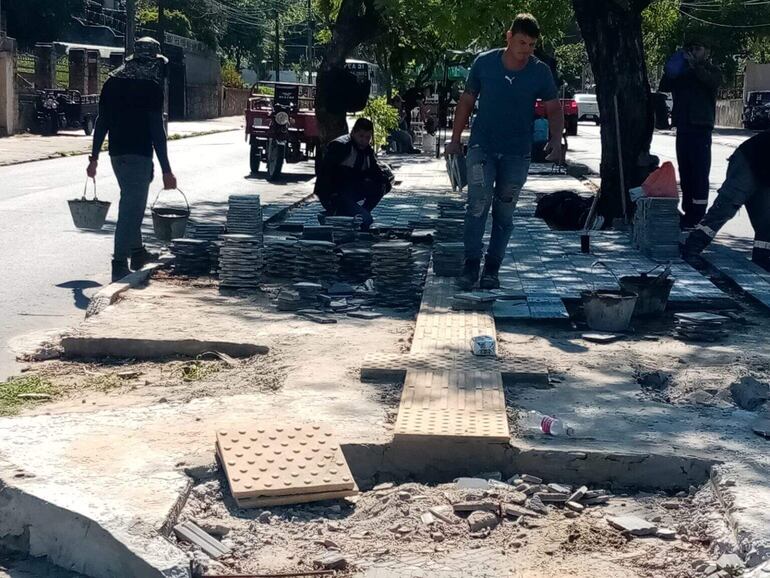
{"x": 506, "y": 82}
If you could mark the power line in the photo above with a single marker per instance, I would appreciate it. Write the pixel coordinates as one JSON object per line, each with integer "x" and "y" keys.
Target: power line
{"x": 720, "y": 25}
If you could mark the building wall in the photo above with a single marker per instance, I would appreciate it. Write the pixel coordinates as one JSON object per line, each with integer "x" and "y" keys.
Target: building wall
{"x": 234, "y": 101}
{"x": 757, "y": 77}
{"x": 730, "y": 113}
{"x": 8, "y": 99}
{"x": 202, "y": 101}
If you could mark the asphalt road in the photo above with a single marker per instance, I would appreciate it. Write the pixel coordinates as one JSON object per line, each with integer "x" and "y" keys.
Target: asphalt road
{"x": 51, "y": 268}
{"x": 586, "y": 148}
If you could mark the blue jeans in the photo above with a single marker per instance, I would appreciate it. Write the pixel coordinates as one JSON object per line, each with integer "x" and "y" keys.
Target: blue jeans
{"x": 494, "y": 180}
{"x": 134, "y": 174}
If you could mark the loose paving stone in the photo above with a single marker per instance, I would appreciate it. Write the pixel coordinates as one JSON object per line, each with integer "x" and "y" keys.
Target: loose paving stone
{"x": 514, "y": 511}
{"x": 598, "y": 500}
{"x": 578, "y": 494}
{"x": 536, "y": 504}
{"x": 531, "y": 479}
{"x": 444, "y": 513}
{"x": 331, "y": 561}
{"x": 476, "y": 506}
{"x": 632, "y": 525}
{"x": 574, "y": 506}
{"x": 427, "y": 518}
{"x": 551, "y": 497}
{"x": 665, "y": 533}
{"x": 560, "y": 488}
{"x": 190, "y": 532}
{"x": 730, "y": 562}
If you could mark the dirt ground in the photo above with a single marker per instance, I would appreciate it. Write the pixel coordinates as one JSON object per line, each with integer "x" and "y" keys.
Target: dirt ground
{"x": 385, "y": 524}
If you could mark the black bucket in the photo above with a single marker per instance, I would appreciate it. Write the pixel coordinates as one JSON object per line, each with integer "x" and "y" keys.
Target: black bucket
{"x": 170, "y": 223}
{"x": 653, "y": 293}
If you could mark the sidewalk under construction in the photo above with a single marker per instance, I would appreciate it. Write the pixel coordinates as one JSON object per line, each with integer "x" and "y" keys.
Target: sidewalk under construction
{"x": 120, "y": 470}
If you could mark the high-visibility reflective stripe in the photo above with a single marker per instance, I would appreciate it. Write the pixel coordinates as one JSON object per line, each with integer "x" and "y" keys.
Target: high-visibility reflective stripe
{"x": 700, "y": 201}
{"x": 762, "y": 245}
{"x": 708, "y": 230}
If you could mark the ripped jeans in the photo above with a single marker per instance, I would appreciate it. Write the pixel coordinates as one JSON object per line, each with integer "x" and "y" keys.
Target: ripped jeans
{"x": 494, "y": 180}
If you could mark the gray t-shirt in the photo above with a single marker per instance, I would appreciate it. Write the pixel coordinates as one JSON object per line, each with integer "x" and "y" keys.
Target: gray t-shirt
{"x": 506, "y": 101}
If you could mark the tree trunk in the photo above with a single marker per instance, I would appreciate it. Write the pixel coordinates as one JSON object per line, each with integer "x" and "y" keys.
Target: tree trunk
{"x": 357, "y": 21}
{"x": 612, "y": 31}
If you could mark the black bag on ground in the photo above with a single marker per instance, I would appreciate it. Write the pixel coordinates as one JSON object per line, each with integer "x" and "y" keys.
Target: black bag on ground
{"x": 564, "y": 210}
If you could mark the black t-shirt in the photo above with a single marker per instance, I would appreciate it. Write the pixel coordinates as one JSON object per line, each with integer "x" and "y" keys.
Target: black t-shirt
{"x": 757, "y": 151}
{"x": 129, "y": 105}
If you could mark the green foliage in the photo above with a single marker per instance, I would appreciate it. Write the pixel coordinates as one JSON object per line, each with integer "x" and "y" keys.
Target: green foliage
{"x": 571, "y": 59}
{"x": 13, "y": 392}
{"x": 384, "y": 117}
{"x": 175, "y": 21}
{"x": 231, "y": 76}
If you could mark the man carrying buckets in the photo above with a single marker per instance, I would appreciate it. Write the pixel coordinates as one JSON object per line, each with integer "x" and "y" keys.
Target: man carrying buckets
{"x": 131, "y": 111}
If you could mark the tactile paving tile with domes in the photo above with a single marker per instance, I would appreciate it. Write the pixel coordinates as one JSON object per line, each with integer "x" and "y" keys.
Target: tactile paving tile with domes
{"x": 271, "y": 462}
{"x": 455, "y": 404}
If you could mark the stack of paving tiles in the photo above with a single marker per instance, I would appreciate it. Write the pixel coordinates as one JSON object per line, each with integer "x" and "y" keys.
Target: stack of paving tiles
{"x": 448, "y": 259}
{"x": 317, "y": 261}
{"x": 700, "y": 326}
{"x": 394, "y": 273}
{"x": 302, "y": 295}
{"x": 191, "y": 257}
{"x": 212, "y": 233}
{"x": 451, "y": 208}
{"x": 344, "y": 228}
{"x": 241, "y": 261}
{"x": 244, "y": 215}
{"x": 656, "y": 228}
{"x": 281, "y": 257}
{"x": 449, "y": 230}
{"x": 356, "y": 262}
{"x": 276, "y": 465}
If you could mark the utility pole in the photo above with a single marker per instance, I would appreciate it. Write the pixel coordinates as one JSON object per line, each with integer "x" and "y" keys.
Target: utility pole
{"x": 277, "y": 47}
{"x": 130, "y": 27}
{"x": 309, "y": 52}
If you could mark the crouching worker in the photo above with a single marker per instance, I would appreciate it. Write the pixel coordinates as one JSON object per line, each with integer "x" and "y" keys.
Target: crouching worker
{"x": 747, "y": 183}
{"x": 350, "y": 182}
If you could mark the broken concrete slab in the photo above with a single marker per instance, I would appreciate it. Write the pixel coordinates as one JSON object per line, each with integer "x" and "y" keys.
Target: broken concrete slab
{"x": 479, "y": 521}
{"x": 474, "y": 506}
{"x": 749, "y": 393}
{"x": 190, "y": 532}
{"x": 632, "y": 525}
{"x": 514, "y": 511}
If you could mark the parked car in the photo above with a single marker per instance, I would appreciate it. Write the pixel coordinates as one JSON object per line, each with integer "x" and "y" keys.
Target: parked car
{"x": 756, "y": 111}
{"x": 588, "y": 107}
{"x": 570, "y": 108}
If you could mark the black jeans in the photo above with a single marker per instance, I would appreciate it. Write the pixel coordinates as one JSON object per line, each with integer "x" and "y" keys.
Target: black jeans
{"x": 348, "y": 201}
{"x": 693, "y": 153}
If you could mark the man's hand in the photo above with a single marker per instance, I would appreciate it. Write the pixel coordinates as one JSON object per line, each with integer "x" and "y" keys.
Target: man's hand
{"x": 453, "y": 148}
{"x": 554, "y": 151}
{"x": 91, "y": 170}
{"x": 169, "y": 181}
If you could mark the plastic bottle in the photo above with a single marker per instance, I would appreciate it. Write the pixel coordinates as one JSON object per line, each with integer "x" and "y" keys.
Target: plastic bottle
{"x": 534, "y": 420}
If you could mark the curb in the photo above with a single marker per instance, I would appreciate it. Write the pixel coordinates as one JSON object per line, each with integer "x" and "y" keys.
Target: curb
{"x": 109, "y": 294}
{"x": 79, "y": 153}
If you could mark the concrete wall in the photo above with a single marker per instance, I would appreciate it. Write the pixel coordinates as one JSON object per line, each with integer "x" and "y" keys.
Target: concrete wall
{"x": 8, "y": 99}
{"x": 202, "y": 101}
{"x": 233, "y": 101}
{"x": 729, "y": 113}
{"x": 757, "y": 77}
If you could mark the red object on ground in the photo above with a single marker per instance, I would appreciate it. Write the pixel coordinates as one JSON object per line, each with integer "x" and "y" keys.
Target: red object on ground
{"x": 662, "y": 182}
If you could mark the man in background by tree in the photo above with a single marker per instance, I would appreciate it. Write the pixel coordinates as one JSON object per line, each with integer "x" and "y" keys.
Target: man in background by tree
{"x": 693, "y": 82}
{"x": 507, "y": 82}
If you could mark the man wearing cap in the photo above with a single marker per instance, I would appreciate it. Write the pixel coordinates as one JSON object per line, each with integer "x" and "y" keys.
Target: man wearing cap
{"x": 747, "y": 183}
{"x": 693, "y": 82}
{"x": 131, "y": 111}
